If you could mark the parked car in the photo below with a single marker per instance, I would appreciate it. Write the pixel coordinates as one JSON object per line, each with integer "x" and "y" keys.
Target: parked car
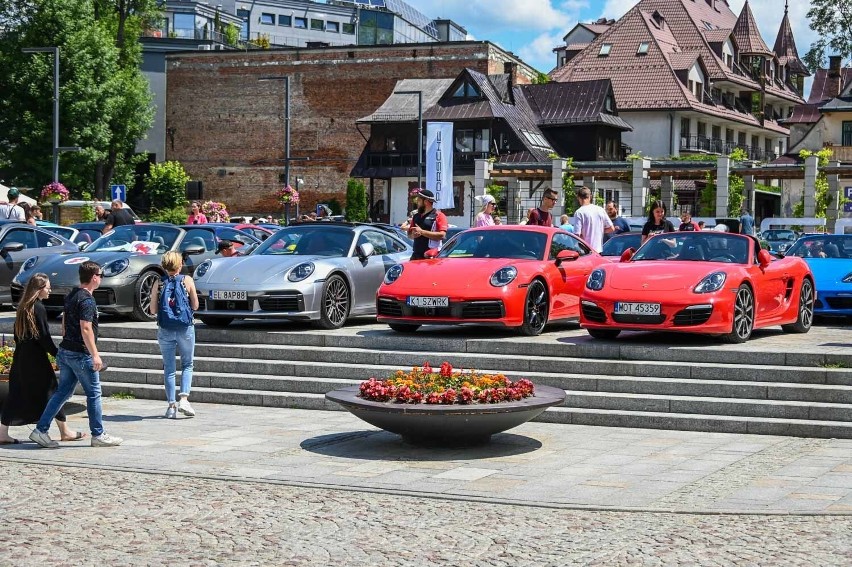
{"x": 779, "y": 240}
{"x": 615, "y": 246}
{"x": 88, "y": 232}
{"x": 517, "y": 276}
{"x": 709, "y": 282}
{"x": 830, "y": 259}
{"x": 66, "y": 232}
{"x": 261, "y": 233}
{"x": 324, "y": 272}
{"x": 130, "y": 257}
{"x": 19, "y": 242}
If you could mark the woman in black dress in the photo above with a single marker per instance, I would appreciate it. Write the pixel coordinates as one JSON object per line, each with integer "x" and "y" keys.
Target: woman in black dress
{"x": 31, "y": 378}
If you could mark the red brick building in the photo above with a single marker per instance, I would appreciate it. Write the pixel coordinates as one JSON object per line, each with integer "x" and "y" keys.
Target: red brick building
{"x": 227, "y": 128}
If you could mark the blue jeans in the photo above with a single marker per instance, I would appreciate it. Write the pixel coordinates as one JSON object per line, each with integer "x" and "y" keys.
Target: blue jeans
{"x": 75, "y": 367}
{"x": 172, "y": 340}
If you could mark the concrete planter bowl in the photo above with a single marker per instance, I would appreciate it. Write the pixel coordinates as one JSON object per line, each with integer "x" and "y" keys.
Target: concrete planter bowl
{"x": 447, "y": 425}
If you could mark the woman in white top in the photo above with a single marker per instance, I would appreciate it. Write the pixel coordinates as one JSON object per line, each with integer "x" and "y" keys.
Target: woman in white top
{"x": 486, "y": 213}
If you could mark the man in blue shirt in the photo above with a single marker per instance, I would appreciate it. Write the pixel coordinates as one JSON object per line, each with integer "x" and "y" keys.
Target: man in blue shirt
{"x": 746, "y": 222}
{"x": 619, "y": 223}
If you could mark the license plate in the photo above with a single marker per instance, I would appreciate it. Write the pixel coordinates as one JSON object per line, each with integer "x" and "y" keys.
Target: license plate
{"x": 224, "y": 295}
{"x": 418, "y": 301}
{"x": 650, "y": 309}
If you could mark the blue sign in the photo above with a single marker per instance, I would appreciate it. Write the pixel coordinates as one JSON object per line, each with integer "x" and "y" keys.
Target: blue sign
{"x": 847, "y": 206}
{"x": 118, "y": 192}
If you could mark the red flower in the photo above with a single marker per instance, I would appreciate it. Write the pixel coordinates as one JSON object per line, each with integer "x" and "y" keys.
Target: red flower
{"x": 449, "y": 396}
{"x": 446, "y": 369}
{"x": 427, "y": 368}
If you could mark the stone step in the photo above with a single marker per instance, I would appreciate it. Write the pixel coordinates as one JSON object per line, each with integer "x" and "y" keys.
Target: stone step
{"x": 247, "y": 382}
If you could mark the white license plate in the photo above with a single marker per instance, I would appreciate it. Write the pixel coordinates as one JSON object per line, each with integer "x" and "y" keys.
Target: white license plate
{"x": 418, "y": 301}
{"x": 223, "y": 295}
{"x": 624, "y": 308}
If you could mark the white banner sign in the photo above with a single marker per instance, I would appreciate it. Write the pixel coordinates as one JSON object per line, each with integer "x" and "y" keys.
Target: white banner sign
{"x": 439, "y": 163}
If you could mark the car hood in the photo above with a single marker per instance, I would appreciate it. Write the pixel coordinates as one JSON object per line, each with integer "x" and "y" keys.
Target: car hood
{"x": 829, "y": 271}
{"x": 254, "y": 269}
{"x": 424, "y": 276}
{"x": 662, "y": 275}
{"x": 63, "y": 270}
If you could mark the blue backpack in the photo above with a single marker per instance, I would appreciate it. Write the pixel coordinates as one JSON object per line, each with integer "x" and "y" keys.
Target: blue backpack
{"x": 174, "y": 310}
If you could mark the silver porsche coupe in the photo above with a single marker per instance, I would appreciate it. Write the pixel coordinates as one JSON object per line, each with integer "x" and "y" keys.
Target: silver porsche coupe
{"x": 321, "y": 271}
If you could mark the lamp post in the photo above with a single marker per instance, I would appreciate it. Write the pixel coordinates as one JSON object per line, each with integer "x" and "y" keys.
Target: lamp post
{"x": 55, "y": 52}
{"x": 419, "y": 134}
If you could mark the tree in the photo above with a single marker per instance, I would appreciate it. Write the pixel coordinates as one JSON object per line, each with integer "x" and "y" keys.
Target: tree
{"x": 165, "y": 185}
{"x": 822, "y": 196}
{"x": 356, "y": 201}
{"x": 832, "y": 21}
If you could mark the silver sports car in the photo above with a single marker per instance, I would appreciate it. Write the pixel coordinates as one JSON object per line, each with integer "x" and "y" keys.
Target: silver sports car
{"x": 324, "y": 272}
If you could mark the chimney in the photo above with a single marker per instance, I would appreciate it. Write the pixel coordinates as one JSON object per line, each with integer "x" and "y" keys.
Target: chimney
{"x": 834, "y": 75}
{"x": 511, "y": 68}
{"x": 834, "y": 65}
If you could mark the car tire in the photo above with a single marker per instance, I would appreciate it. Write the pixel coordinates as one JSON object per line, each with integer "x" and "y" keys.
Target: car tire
{"x": 743, "y": 317}
{"x": 142, "y": 296}
{"x": 335, "y": 300}
{"x": 604, "y": 333}
{"x": 536, "y": 309}
{"x": 403, "y": 327}
{"x": 216, "y": 322}
{"x": 806, "y": 310}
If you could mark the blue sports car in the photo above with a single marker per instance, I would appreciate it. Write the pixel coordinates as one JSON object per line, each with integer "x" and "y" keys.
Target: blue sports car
{"x": 830, "y": 259}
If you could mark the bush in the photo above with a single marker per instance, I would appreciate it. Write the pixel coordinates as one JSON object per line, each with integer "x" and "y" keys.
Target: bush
{"x": 165, "y": 185}
{"x": 175, "y": 215}
{"x": 356, "y": 201}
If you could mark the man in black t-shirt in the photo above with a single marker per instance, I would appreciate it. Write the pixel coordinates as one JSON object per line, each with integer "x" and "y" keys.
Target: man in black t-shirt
{"x": 117, "y": 216}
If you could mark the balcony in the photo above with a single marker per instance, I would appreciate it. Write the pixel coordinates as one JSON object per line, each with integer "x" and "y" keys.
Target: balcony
{"x": 397, "y": 159}
{"x": 720, "y": 147}
{"x": 841, "y": 153}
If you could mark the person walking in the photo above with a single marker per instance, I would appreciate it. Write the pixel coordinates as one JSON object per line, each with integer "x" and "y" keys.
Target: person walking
{"x": 657, "y": 222}
{"x": 176, "y": 301}
{"x": 31, "y": 378}
{"x": 428, "y": 226}
{"x": 619, "y": 223}
{"x": 117, "y": 216}
{"x": 592, "y": 222}
{"x": 79, "y": 360}
{"x": 746, "y": 222}
{"x": 541, "y": 215}
{"x": 195, "y": 215}
{"x": 486, "y": 213}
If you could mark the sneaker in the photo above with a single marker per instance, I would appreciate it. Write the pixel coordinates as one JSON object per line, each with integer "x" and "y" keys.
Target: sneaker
{"x": 171, "y": 413}
{"x": 185, "y": 408}
{"x": 43, "y": 439}
{"x": 106, "y": 440}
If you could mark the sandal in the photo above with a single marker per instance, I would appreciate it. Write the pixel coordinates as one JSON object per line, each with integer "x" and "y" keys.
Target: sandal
{"x": 77, "y": 437}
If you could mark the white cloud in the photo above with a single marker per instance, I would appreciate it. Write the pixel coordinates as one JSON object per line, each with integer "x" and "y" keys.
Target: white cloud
{"x": 488, "y": 16}
{"x": 616, "y": 8}
{"x": 539, "y": 52}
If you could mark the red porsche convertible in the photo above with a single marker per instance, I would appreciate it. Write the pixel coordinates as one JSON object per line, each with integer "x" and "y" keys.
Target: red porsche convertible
{"x": 715, "y": 283}
{"x": 512, "y": 276}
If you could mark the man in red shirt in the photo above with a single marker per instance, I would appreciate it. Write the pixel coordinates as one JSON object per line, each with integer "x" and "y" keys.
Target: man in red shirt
{"x": 542, "y": 215}
{"x": 428, "y": 226}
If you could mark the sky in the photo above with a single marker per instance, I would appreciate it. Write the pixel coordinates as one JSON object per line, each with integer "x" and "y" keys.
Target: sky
{"x": 532, "y": 28}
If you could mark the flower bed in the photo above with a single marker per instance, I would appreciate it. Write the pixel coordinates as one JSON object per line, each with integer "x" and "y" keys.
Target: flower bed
{"x": 54, "y": 192}
{"x": 446, "y": 386}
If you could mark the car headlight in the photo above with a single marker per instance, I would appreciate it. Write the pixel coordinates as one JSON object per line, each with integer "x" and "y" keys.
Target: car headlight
{"x": 116, "y": 267}
{"x": 596, "y": 280}
{"x": 711, "y": 283}
{"x": 28, "y": 265}
{"x": 393, "y": 273}
{"x": 202, "y": 269}
{"x": 847, "y": 278}
{"x": 503, "y": 276}
{"x": 301, "y": 272}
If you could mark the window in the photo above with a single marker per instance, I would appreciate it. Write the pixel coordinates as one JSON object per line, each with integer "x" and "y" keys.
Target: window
{"x": 717, "y": 132}
{"x": 729, "y": 135}
{"x": 643, "y": 48}
{"x": 605, "y": 49}
{"x": 684, "y": 127}
{"x": 317, "y": 25}
{"x": 846, "y": 133}
{"x": 349, "y": 29}
{"x": 333, "y": 27}
{"x": 562, "y": 242}
{"x": 285, "y": 20}
{"x": 741, "y": 139}
{"x": 46, "y": 240}
{"x": 390, "y": 144}
{"x": 20, "y": 235}
{"x": 609, "y": 105}
{"x": 267, "y": 19}
{"x": 466, "y": 90}
{"x": 464, "y": 141}
{"x": 301, "y": 23}
{"x": 702, "y": 129}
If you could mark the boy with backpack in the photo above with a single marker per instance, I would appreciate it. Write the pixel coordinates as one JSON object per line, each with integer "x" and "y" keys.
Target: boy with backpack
{"x": 173, "y": 301}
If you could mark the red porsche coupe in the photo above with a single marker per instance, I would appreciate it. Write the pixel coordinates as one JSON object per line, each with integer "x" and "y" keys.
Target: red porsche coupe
{"x": 511, "y": 276}
{"x": 715, "y": 283}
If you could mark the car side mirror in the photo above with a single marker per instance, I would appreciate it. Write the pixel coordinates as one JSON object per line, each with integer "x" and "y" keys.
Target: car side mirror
{"x": 193, "y": 250}
{"x": 764, "y": 258}
{"x": 12, "y": 247}
{"x": 627, "y": 255}
{"x": 365, "y": 250}
{"x": 431, "y": 253}
{"x": 566, "y": 256}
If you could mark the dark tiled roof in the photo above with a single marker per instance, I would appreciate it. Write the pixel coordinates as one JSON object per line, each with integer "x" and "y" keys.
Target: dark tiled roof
{"x": 826, "y": 86}
{"x": 683, "y": 60}
{"x": 717, "y": 35}
{"x": 402, "y": 107}
{"x": 785, "y": 48}
{"x": 748, "y": 35}
{"x": 581, "y": 102}
{"x": 596, "y": 28}
{"x": 803, "y": 114}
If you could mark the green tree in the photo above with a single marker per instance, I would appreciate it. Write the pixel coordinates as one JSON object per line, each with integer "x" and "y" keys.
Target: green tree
{"x": 822, "y": 198}
{"x": 356, "y": 201}
{"x": 540, "y": 78}
{"x": 832, "y": 22}
{"x": 165, "y": 186}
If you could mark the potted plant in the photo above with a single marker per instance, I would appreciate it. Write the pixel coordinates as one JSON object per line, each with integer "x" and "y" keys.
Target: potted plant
{"x": 287, "y": 196}
{"x": 54, "y": 192}
{"x": 446, "y": 406}
{"x": 215, "y": 211}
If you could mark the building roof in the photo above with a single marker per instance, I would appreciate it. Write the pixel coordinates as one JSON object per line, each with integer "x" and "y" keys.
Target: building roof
{"x": 403, "y": 107}
{"x": 719, "y": 35}
{"x": 840, "y": 103}
{"x": 785, "y": 47}
{"x": 828, "y": 84}
{"x": 803, "y": 114}
{"x": 747, "y": 34}
{"x": 580, "y": 102}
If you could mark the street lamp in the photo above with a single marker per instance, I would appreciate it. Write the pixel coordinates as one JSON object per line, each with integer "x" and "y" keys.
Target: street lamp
{"x": 419, "y": 134}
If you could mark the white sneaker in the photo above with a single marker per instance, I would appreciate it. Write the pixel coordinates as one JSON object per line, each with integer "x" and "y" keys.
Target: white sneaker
{"x": 43, "y": 439}
{"x": 171, "y": 413}
{"x": 185, "y": 408}
{"x": 106, "y": 440}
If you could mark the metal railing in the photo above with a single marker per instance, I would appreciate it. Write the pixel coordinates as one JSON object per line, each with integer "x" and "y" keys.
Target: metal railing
{"x": 721, "y": 147}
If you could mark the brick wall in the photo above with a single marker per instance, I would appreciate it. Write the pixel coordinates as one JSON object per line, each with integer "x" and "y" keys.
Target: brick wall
{"x": 229, "y": 127}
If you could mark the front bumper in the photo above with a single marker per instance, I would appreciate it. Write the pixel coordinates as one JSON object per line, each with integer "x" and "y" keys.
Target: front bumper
{"x": 489, "y": 311}
{"x": 699, "y": 314}
{"x": 302, "y": 304}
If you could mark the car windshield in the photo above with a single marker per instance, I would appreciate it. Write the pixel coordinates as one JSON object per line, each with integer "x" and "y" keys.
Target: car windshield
{"x": 308, "y": 240}
{"x": 496, "y": 244}
{"x": 139, "y": 238}
{"x": 696, "y": 246}
{"x": 829, "y": 246}
{"x": 782, "y": 235}
{"x": 616, "y": 245}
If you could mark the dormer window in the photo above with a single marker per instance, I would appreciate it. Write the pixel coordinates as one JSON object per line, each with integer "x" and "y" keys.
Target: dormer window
{"x": 643, "y": 48}
{"x": 609, "y": 104}
{"x": 659, "y": 20}
{"x": 467, "y": 90}
{"x": 605, "y": 49}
